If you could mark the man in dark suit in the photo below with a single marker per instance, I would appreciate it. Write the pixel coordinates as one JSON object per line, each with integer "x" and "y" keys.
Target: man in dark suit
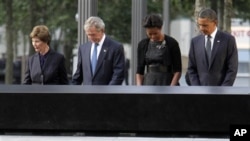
{"x": 101, "y": 61}
{"x": 213, "y": 56}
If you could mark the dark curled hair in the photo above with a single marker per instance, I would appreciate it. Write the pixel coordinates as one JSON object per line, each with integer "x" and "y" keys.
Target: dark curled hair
{"x": 152, "y": 20}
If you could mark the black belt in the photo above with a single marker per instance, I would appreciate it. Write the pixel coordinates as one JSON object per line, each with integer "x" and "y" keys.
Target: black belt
{"x": 158, "y": 68}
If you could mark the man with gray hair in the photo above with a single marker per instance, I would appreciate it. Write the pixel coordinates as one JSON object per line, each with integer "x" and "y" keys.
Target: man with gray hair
{"x": 101, "y": 61}
{"x": 213, "y": 55}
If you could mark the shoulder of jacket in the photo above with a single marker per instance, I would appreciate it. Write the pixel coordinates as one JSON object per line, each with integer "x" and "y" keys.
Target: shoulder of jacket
{"x": 170, "y": 39}
{"x": 144, "y": 41}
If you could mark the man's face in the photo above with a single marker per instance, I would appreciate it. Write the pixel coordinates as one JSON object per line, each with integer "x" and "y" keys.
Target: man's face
{"x": 206, "y": 26}
{"x": 94, "y": 35}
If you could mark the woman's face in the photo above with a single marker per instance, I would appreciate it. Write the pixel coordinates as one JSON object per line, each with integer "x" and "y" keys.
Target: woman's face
{"x": 154, "y": 33}
{"x": 38, "y": 45}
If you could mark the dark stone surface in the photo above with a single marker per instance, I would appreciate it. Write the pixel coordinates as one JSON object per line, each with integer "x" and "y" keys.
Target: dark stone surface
{"x": 144, "y": 111}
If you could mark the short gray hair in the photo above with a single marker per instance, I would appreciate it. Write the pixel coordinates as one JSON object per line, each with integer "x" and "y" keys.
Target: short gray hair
{"x": 94, "y": 22}
{"x": 208, "y": 14}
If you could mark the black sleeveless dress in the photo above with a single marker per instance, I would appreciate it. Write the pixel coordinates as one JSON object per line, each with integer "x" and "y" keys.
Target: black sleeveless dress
{"x": 158, "y": 72}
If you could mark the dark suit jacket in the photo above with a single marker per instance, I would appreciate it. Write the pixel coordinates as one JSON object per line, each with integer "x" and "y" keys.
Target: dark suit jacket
{"x": 110, "y": 65}
{"x": 53, "y": 71}
{"x": 223, "y": 65}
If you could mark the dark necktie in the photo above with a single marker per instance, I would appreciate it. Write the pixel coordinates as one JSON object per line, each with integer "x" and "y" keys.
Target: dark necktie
{"x": 208, "y": 47}
{"x": 94, "y": 58}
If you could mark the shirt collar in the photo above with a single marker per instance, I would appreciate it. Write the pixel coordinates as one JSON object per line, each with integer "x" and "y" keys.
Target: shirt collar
{"x": 102, "y": 40}
{"x": 45, "y": 55}
{"x": 213, "y": 33}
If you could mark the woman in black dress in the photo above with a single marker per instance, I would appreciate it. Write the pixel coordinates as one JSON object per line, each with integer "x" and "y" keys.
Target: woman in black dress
{"x": 159, "y": 54}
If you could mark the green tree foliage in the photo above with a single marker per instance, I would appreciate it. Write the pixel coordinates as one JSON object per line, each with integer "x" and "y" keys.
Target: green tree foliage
{"x": 117, "y": 14}
{"x": 59, "y": 16}
{"x": 8, "y": 6}
{"x": 117, "y": 17}
{"x": 181, "y": 8}
{"x": 154, "y": 6}
{"x": 241, "y": 9}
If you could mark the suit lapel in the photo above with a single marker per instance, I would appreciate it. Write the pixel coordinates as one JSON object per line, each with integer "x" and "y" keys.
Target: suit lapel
{"x": 37, "y": 66}
{"x": 215, "y": 48}
{"x": 202, "y": 50}
{"x": 48, "y": 56}
{"x": 102, "y": 54}
{"x": 86, "y": 56}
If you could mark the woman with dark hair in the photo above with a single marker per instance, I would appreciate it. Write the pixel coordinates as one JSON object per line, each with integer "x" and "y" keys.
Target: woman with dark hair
{"x": 45, "y": 67}
{"x": 159, "y": 54}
